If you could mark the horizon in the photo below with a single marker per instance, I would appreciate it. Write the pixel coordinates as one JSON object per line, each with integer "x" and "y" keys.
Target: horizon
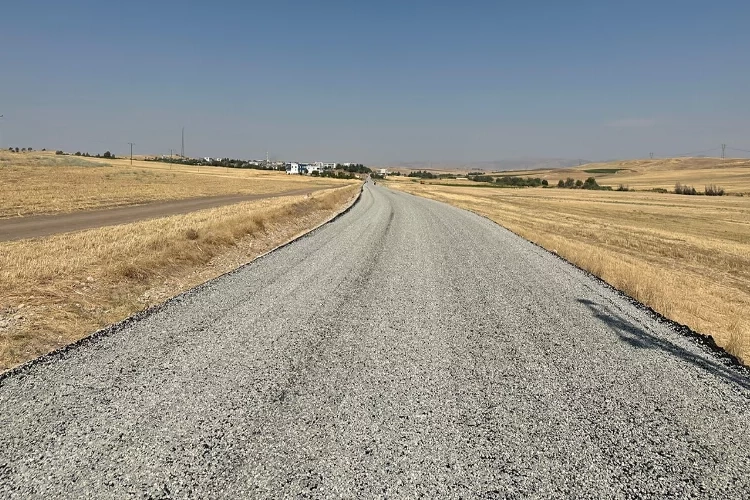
{"x": 379, "y": 84}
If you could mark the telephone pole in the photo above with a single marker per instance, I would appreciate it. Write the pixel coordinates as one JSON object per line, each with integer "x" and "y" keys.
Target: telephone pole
{"x": 652, "y": 155}
{"x": 182, "y": 151}
{"x": 1, "y": 137}
{"x": 723, "y": 147}
{"x": 131, "y": 152}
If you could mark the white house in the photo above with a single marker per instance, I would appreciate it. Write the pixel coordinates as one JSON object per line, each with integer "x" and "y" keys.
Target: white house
{"x": 384, "y": 171}
{"x": 293, "y": 168}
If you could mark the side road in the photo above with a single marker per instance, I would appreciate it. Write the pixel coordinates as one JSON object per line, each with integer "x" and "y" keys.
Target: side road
{"x": 36, "y": 226}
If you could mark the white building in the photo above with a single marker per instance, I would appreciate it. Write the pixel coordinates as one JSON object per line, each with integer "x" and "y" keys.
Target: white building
{"x": 384, "y": 171}
{"x": 293, "y": 168}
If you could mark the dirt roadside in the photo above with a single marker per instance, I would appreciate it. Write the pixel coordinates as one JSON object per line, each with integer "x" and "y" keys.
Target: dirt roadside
{"x": 36, "y": 226}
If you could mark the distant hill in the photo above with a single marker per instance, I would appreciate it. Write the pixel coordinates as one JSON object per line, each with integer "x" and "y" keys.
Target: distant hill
{"x": 493, "y": 166}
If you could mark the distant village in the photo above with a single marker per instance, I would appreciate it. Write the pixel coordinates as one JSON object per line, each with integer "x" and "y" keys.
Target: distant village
{"x": 292, "y": 168}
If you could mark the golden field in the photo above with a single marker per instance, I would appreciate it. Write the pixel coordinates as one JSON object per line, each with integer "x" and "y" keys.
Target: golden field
{"x": 58, "y": 289}
{"x": 687, "y": 257}
{"x": 732, "y": 173}
{"x": 45, "y": 183}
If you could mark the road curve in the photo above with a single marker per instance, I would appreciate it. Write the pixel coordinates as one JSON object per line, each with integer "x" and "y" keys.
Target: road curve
{"x": 35, "y": 226}
{"x": 408, "y": 348}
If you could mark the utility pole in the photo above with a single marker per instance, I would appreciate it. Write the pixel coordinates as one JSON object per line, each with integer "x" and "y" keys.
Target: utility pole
{"x": 182, "y": 151}
{"x": 268, "y": 164}
{"x": 723, "y": 147}
{"x": 652, "y": 155}
{"x": 131, "y": 152}
{"x": 1, "y": 136}
{"x": 170, "y": 159}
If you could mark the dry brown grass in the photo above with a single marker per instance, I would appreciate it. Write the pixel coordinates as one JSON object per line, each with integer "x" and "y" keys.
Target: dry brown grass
{"x": 58, "y": 289}
{"x": 36, "y": 183}
{"x": 688, "y": 257}
{"x": 731, "y": 173}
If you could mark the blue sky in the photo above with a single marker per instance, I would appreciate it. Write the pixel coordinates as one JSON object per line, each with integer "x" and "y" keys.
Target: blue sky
{"x": 377, "y": 82}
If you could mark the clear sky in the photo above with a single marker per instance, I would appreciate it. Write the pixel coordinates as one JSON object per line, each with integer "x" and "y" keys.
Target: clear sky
{"x": 379, "y": 81}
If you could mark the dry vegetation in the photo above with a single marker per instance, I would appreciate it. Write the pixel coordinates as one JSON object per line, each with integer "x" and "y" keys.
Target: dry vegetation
{"x": 731, "y": 173}
{"x": 687, "y": 257}
{"x": 58, "y": 289}
{"x": 42, "y": 182}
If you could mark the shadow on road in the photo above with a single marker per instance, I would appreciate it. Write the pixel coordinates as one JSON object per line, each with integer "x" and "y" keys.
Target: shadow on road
{"x": 641, "y": 339}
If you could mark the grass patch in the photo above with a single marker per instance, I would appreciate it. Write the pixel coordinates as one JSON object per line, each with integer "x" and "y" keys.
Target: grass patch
{"x": 46, "y": 183}
{"x": 603, "y": 170}
{"x": 58, "y": 289}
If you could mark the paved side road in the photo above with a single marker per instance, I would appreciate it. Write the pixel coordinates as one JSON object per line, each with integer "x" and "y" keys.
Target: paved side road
{"x": 408, "y": 348}
{"x": 35, "y": 226}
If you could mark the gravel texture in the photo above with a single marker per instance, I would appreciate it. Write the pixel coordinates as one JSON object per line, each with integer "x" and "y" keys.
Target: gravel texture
{"x": 406, "y": 349}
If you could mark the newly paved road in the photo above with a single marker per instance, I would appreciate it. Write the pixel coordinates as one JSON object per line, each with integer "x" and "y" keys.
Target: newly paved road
{"x": 35, "y": 226}
{"x": 407, "y": 348}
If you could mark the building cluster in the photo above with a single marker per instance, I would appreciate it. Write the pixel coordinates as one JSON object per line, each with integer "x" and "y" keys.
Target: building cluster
{"x": 308, "y": 168}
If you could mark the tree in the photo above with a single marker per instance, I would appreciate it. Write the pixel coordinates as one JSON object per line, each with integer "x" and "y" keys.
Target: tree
{"x": 561, "y": 183}
{"x": 16, "y": 149}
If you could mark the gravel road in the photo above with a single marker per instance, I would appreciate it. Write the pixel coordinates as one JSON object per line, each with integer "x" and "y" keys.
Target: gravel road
{"x": 408, "y": 348}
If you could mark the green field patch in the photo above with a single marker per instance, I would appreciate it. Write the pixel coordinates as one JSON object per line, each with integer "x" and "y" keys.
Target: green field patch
{"x": 604, "y": 170}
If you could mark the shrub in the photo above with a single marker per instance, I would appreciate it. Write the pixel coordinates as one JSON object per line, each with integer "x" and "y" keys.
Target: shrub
{"x": 545, "y": 183}
{"x": 714, "y": 190}
{"x": 570, "y": 182}
{"x": 660, "y": 190}
{"x": 59, "y": 152}
{"x": 481, "y": 178}
{"x": 191, "y": 234}
{"x": 684, "y": 189}
{"x": 561, "y": 183}
{"x": 622, "y": 187}
{"x": 422, "y": 174}
{"x": 579, "y": 183}
{"x": 519, "y": 181}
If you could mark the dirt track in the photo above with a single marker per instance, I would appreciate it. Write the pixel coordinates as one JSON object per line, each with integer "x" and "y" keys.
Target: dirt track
{"x": 35, "y": 226}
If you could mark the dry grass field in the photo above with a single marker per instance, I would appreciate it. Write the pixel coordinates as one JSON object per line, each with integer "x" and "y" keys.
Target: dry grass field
{"x": 57, "y": 289}
{"x": 687, "y": 257}
{"x": 732, "y": 173}
{"x": 45, "y": 183}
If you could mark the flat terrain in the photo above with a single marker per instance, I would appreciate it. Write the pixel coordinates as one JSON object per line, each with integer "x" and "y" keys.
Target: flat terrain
{"x": 45, "y": 183}
{"x": 407, "y": 348}
{"x": 17, "y": 228}
{"x": 688, "y": 257}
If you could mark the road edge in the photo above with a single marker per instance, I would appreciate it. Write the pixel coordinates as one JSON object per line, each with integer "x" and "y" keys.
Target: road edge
{"x": 704, "y": 341}
{"x": 60, "y": 353}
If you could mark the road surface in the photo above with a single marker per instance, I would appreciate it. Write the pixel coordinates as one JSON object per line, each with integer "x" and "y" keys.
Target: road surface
{"x": 35, "y": 226}
{"x": 408, "y": 348}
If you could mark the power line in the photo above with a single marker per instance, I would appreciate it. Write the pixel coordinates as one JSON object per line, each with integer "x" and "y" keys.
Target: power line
{"x": 738, "y": 149}
{"x": 693, "y": 153}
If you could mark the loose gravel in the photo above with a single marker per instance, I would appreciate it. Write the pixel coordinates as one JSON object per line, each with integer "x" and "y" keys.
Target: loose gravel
{"x": 406, "y": 349}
